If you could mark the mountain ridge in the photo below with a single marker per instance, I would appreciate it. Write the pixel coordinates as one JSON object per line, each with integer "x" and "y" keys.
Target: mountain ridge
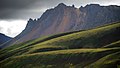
{"x": 64, "y": 18}
{"x": 4, "y": 38}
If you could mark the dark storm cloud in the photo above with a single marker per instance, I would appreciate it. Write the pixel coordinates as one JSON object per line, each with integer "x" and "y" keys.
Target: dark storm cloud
{"x": 14, "y": 4}
{"x": 24, "y": 9}
{"x": 12, "y": 14}
{"x": 16, "y": 9}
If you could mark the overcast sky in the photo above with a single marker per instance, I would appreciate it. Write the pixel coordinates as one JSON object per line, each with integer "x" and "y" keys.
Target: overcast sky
{"x": 15, "y": 13}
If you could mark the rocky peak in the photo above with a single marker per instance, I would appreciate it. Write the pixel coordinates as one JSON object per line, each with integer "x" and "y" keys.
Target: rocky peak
{"x": 30, "y": 23}
{"x": 61, "y": 5}
{"x": 73, "y": 5}
{"x": 92, "y": 5}
{"x": 30, "y": 20}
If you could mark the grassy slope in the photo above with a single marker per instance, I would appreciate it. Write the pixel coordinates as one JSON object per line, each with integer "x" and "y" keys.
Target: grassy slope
{"x": 61, "y": 58}
{"x": 109, "y": 61}
{"x": 11, "y": 50}
{"x": 84, "y": 41}
{"x": 33, "y": 42}
{"x": 114, "y": 44}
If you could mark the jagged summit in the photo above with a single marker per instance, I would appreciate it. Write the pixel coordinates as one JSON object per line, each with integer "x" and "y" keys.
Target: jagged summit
{"x": 30, "y": 20}
{"x": 31, "y": 23}
{"x": 61, "y": 5}
{"x": 73, "y": 5}
{"x": 92, "y": 5}
{"x": 89, "y": 6}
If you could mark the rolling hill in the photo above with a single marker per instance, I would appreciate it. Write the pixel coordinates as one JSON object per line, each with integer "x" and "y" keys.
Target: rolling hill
{"x": 93, "y": 48}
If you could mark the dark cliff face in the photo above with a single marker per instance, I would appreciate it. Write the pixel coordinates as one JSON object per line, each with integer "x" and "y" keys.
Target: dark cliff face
{"x": 64, "y": 18}
{"x": 97, "y": 15}
{"x": 4, "y": 38}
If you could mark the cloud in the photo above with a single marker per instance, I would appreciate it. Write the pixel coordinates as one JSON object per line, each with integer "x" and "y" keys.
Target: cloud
{"x": 1, "y": 29}
{"x": 15, "y": 4}
{"x": 20, "y": 14}
{"x": 12, "y": 28}
{"x": 16, "y": 9}
{"x": 25, "y": 9}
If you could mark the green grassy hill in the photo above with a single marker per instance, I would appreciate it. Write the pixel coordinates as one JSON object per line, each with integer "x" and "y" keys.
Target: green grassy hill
{"x": 109, "y": 61}
{"x": 78, "y": 49}
{"x": 114, "y": 44}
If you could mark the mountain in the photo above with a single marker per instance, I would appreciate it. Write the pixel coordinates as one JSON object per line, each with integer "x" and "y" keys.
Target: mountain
{"x": 64, "y": 18}
{"x": 4, "y": 38}
{"x": 92, "y": 48}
